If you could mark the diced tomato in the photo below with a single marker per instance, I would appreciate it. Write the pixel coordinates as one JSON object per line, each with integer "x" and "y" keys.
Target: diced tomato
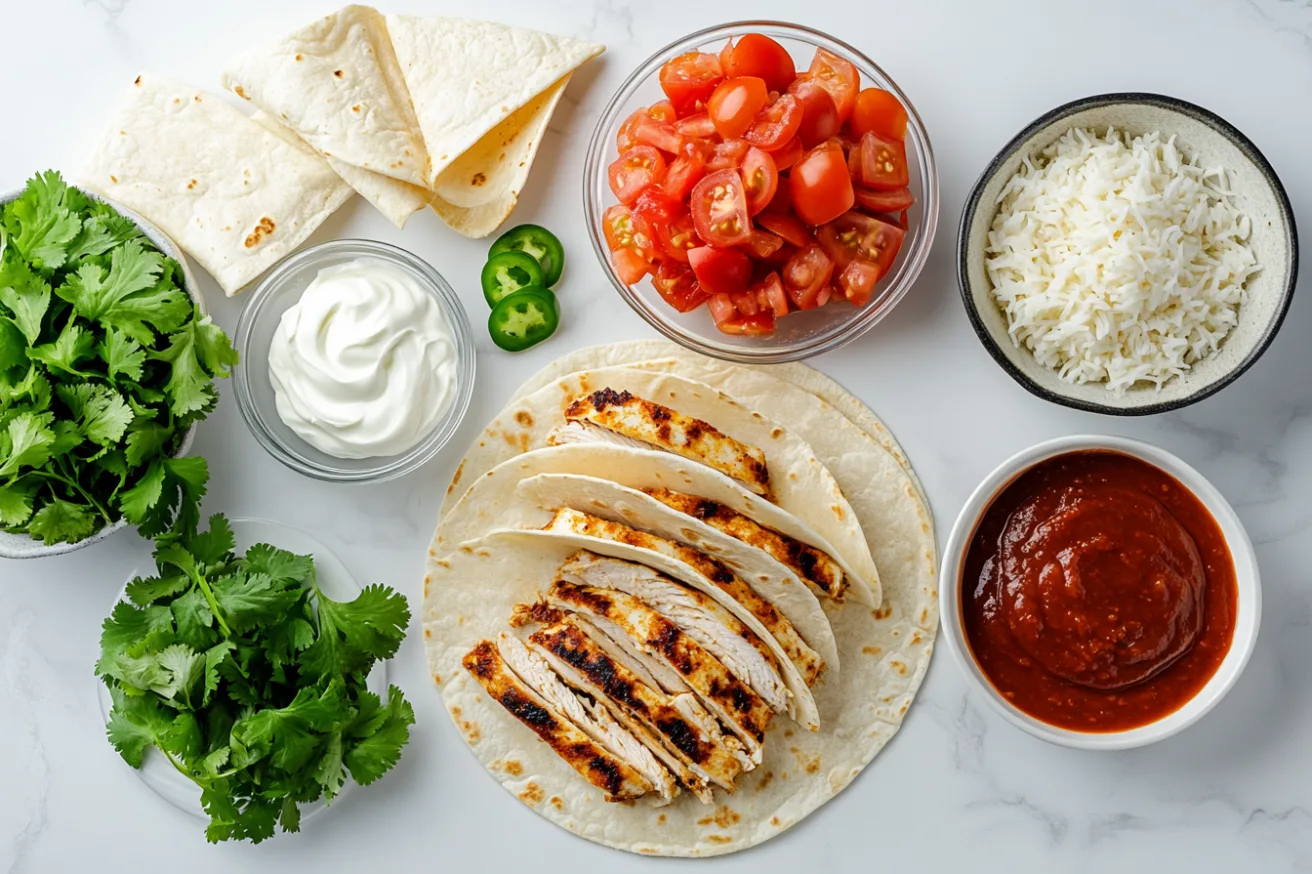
{"x": 654, "y": 207}
{"x": 783, "y": 197}
{"x": 720, "y": 271}
{"x": 880, "y": 163}
{"x": 821, "y": 186}
{"x": 728, "y": 155}
{"x": 825, "y": 296}
{"x": 779, "y": 258}
{"x": 776, "y": 124}
{"x": 878, "y": 111}
{"x": 788, "y": 154}
{"x": 629, "y": 265}
{"x": 853, "y": 235}
{"x": 759, "y": 325}
{"x": 786, "y": 225}
{"x": 734, "y": 104}
{"x": 889, "y": 202}
{"x": 677, "y": 286}
{"x": 678, "y": 236}
{"x": 746, "y": 302}
{"x": 685, "y": 172}
{"x": 819, "y": 114}
{"x": 857, "y": 281}
{"x": 699, "y": 125}
{"x": 657, "y": 112}
{"x": 634, "y": 170}
{"x": 839, "y": 77}
{"x": 808, "y": 271}
{"x": 772, "y": 296}
{"x": 758, "y": 55}
{"x": 689, "y": 80}
{"x": 722, "y": 308}
{"x": 764, "y": 244}
{"x": 660, "y": 135}
{"x": 719, "y": 209}
{"x": 622, "y": 232}
{"x": 760, "y": 179}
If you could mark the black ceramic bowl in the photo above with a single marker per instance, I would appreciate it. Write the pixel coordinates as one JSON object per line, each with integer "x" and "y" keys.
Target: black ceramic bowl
{"x": 1258, "y": 194}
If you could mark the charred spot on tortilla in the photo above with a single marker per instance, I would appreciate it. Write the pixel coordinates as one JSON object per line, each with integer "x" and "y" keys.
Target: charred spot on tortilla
{"x": 479, "y": 179}
{"x": 264, "y": 228}
{"x": 337, "y": 73}
{"x": 524, "y": 418}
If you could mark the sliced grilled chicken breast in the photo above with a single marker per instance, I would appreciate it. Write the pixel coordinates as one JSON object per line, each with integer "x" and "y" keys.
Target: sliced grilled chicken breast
{"x": 804, "y": 658}
{"x": 819, "y": 571}
{"x": 608, "y": 772}
{"x": 653, "y": 425}
{"x": 739, "y": 708}
{"x": 698, "y": 615}
{"x": 582, "y": 662}
{"x": 587, "y": 716}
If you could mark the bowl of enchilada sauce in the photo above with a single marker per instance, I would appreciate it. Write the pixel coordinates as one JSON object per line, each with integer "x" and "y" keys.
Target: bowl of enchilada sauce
{"x": 1098, "y": 593}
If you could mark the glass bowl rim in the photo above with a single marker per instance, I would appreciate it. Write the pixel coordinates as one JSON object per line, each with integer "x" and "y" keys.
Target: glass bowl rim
{"x": 845, "y": 331}
{"x": 388, "y": 467}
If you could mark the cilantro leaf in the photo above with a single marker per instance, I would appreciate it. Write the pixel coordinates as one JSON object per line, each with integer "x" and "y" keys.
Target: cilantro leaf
{"x": 16, "y": 499}
{"x": 13, "y": 346}
{"x": 146, "y": 440}
{"x": 135, "y": 721}
{"x": 73, "y": 345}
{"x": 168, "y": 493}
{"x": 282, "y": 566}
{"x": 126, "y": 297}
{"x": 129, "y": 626}
{"x": 61, "y": 521}
{"x": 144, "y": 591}
{"x": 101, "y": 233}
{"x": 102, "y": 414}
{"x": 42, "y": 221}
{"x": 247, "y": 599}
{"x": 123, "y": 356}
{"x": 25, "y": 442}
{"x": 25, "y": 295}
{"x": 355, "y": 634}
{"x": 374, "y": 755}
{"x": 198, "y": 352}
{"x": 32, "y": 390}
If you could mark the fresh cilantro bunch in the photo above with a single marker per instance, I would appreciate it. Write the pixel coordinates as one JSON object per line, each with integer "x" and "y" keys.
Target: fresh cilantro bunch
{"x": 250, "y": 681}
{"x": 104, "y": 364}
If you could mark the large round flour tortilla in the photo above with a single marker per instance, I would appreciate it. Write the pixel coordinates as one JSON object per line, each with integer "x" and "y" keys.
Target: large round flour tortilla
{"x": 884, "y": 653}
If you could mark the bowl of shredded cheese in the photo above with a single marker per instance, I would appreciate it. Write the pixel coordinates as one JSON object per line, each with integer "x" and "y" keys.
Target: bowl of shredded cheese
{"x": 1127, "y": 254}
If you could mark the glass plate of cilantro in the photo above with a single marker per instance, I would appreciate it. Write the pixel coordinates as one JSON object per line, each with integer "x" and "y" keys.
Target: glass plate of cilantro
{"x": 256, "y": 699}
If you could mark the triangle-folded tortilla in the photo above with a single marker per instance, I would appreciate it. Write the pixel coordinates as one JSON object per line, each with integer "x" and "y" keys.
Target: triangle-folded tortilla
{"x": 337, "y": 84}
{"x": 467, "y": 77}
{"x": 232, "y": 193}
{"x": 476, "y": 194}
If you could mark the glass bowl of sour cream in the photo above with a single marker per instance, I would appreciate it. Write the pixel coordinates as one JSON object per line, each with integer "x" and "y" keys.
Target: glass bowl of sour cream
{"x": 357, "y": 362}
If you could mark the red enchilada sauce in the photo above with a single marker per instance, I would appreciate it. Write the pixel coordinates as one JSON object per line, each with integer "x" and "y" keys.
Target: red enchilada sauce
{"x": 1098, "y": 593}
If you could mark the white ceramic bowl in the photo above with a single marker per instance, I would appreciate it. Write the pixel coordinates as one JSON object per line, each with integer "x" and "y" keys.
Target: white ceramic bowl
{"x": 1258, "y": 193}
{"x": 21, "y": 545}
{"x": 1247, "y": 617}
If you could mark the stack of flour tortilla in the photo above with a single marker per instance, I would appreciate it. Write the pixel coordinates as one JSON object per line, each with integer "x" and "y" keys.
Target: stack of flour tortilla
{"x": 408, "y": 112}
{"x": 675, "y": 605}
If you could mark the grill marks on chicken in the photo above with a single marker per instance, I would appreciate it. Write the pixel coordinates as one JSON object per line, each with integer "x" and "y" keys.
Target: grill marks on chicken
{"x": 651, "y": 425}
{"x": 740, "y": 709}
{"x": 698, "y": 615}
{"x": 819, "y": 571}
{"x": 593, "y": 762}
{"x": 807, "y": 661}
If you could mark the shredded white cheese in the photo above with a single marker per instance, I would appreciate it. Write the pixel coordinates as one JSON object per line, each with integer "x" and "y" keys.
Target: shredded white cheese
{"x": 1118, "y": 259}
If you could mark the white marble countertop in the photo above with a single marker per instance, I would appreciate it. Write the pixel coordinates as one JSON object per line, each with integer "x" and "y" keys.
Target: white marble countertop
{"x": 957, "y": 789}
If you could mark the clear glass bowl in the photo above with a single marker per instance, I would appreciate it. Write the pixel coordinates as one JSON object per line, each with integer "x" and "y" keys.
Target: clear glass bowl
{"x": 276, "y": 293}
{"x": 799, "y": 335}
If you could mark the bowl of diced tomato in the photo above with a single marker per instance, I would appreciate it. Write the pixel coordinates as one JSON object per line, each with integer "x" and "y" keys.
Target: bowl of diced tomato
{"x": 761, "y": 192}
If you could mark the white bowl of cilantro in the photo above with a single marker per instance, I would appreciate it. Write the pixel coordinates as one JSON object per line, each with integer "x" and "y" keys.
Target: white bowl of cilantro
{"x": 107, "y": 363}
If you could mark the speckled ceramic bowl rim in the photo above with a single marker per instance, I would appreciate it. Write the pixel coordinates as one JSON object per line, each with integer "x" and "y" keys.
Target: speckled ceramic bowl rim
{"x": 1174, "y": 104}
{"x": 1248, "y": 584}
{"x": 166, "y": 245}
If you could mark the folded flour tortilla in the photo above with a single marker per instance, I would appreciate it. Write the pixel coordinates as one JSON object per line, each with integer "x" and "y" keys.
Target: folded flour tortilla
{"x": 232, "y": 193}
{"x": 337, "y": 84}
{"x": 466, "y": 77}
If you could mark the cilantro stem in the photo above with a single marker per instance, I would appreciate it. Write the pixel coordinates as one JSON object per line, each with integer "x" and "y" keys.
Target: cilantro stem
{"x": 205, "y": 590}
{"x": 73, "y": 484}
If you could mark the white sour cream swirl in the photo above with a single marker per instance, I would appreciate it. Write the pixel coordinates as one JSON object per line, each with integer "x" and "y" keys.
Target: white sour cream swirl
{"x": 364, "y": 364}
